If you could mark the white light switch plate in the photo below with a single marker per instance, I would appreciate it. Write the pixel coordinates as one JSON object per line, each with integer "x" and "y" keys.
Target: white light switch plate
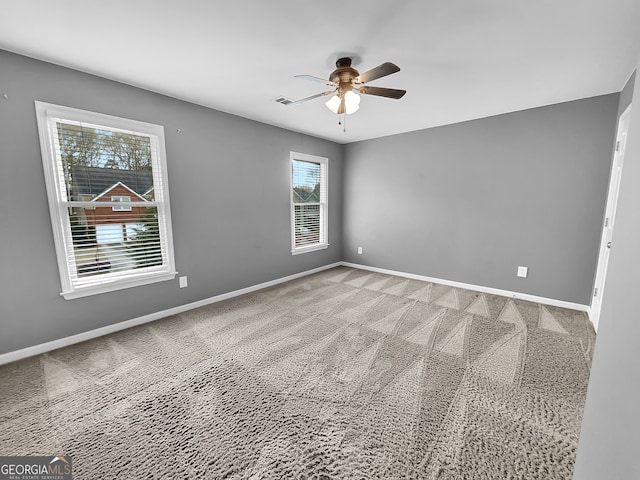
{"x": 183, "y": 282}
{"x": 523, "y": 271}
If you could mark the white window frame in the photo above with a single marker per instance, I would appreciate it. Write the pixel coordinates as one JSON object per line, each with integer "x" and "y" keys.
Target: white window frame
{"x": 323, "y": 242}
{"x": 47, "y": 115}
{"x": 121, "y": 208}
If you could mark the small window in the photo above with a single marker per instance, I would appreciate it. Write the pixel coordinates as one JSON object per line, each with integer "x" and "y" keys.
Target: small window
{"x": 121, "y": 208}
{"x": 108, "y": 197}
{"x": 308, "y": 203}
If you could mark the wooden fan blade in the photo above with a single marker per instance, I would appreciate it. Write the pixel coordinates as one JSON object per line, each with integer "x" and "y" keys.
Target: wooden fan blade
{"x": 306, "y": 99}
{"x": 316, "y": 79}
{"x": 382, "y": 92}
{"x": 380, "y": 71}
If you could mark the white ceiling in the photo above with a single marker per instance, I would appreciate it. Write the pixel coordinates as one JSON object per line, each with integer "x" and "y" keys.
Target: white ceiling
{"x": 459, "y": 59}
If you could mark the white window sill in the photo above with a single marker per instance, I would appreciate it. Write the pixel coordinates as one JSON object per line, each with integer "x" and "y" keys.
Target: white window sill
{"x": 120, "y": 284}
{"x": 309, "y": 248}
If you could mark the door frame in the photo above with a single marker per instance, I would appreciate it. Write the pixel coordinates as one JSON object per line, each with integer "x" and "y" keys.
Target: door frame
{"x": 608, "y": 222}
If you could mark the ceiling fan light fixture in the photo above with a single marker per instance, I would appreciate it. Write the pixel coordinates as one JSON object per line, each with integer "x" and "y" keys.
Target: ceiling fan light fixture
{"x": 351, "y": 102}
{"x": 333, "y": 103}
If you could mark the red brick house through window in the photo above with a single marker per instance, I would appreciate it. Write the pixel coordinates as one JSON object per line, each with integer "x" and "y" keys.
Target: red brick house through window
{"x": 111, "y": 224}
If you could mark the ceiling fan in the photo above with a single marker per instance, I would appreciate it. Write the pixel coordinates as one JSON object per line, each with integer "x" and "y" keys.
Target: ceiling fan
{"x": 347, "y": 81}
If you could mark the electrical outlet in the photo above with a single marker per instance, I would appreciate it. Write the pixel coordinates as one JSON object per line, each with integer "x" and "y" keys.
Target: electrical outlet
{"x": 359, "y": 250}
{"x": 523, "y": 272}
{"x": 183, "y": 282}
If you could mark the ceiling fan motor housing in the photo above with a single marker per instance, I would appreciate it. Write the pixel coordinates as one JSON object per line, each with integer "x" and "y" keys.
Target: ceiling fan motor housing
{"x": 343, "y": 75}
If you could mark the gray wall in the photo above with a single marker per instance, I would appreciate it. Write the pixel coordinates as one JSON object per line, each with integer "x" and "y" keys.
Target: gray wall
{"x": 466, "y": 202}
{"x": 470, "y": 202}
{"x": 229, "y": 188}
{"x": 610, "y": 437}
{"x": 626, "y": 95}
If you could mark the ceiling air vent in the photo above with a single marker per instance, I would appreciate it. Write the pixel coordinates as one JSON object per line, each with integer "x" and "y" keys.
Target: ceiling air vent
{"x": 283, "y": 100}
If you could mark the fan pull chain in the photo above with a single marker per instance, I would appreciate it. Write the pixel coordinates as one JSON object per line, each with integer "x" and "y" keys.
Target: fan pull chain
{"x": 342, "y": 120}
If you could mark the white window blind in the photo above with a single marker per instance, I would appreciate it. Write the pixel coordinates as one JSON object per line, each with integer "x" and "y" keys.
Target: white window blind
{"x": 108, "y": 197}
{"x": 308, "y": 202}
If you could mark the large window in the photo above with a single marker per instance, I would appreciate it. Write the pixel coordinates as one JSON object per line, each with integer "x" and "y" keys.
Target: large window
{"x": 107, "y": 187}
{"x": 308, "y": 203}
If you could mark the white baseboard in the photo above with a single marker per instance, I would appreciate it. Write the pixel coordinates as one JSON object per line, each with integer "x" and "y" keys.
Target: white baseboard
{"x": 594, "y": 324}
{"x": 98, "y": 332}
{"x": 477, "y": 288}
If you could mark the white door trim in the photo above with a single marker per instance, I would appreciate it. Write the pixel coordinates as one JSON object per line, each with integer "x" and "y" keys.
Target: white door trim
{"x": 609, "y": 217}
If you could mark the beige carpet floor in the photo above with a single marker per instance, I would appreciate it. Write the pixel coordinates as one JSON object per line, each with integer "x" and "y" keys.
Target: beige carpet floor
{"x": 345, "y": 374}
